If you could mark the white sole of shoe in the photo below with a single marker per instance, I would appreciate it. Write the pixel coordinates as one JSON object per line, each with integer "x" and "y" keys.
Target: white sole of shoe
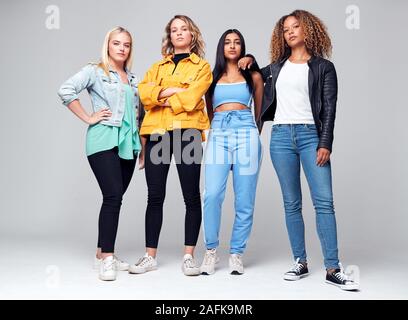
{"x": 107, "y": 278}
{"x": 191, "y": 272}
{"x": 141, "y": 272}
{"x": 289, "y": 277}
{"x": 345, "y": 287}
{"x": 124, "y": 268}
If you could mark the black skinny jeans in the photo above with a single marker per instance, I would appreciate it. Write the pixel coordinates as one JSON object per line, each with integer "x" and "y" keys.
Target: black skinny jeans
{"x": 188, "y": 155}
{"x": 113, "y": 175}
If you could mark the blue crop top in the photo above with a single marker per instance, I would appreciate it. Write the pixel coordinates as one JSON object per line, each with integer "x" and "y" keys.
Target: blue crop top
{"x": 232, "y": 92}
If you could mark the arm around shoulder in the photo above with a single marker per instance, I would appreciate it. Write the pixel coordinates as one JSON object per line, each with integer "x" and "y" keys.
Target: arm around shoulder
{"x": 258, "y": 93}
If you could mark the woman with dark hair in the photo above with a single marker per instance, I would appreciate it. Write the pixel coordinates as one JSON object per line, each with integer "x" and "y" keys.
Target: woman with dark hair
{"x": 300, "y": 98}
{"x": 233, "y": 144}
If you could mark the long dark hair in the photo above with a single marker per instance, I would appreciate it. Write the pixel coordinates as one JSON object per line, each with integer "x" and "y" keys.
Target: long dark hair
{"x": 221, "y": 62}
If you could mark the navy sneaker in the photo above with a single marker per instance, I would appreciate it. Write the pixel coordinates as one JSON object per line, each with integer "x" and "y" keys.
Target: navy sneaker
{"x": 298, "y": 271}
{"x": 340, "y": 279}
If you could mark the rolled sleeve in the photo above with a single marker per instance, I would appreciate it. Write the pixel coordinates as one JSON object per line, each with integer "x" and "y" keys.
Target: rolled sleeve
{"x": 189, "y": 99}
{"x": 175, "y": 104}
{"x": 148, "y": 89}
{"x": 71, "y": 88}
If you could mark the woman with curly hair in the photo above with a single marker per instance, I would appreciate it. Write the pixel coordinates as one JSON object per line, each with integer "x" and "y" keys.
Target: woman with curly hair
{"x": 300, "y": 98}
{"x": 172, "y": 94}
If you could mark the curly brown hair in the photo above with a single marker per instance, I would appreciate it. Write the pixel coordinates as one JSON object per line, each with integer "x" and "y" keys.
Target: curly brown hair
{"x": 317, "y": 39}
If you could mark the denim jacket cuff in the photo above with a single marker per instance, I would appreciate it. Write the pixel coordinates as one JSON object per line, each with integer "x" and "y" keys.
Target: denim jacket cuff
{"x": 69, "y": 100}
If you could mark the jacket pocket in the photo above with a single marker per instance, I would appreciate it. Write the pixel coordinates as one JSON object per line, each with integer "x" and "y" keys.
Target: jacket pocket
{"x": 187, "y": 79}
{"x": 109, "y": 84}
{"x": 111, "y": 91}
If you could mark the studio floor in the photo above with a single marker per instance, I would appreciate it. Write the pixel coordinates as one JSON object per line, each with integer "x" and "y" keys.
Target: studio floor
{"x": 43, "y": 269}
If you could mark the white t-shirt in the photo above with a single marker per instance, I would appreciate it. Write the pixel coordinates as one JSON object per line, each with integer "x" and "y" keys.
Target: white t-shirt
{"x": 292, "y": 94}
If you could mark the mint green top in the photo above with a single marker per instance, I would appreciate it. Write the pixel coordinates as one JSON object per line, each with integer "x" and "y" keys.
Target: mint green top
{"x": 101, "y": 137}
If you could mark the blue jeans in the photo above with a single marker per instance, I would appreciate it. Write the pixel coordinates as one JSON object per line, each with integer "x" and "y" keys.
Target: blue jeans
{"x": 233, "y": 145}
{"x": 292, "y": 145}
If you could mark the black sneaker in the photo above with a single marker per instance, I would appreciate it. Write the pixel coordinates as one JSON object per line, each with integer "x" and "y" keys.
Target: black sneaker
{"x": 340, "y": 279}
{"x": 298, "y": 270}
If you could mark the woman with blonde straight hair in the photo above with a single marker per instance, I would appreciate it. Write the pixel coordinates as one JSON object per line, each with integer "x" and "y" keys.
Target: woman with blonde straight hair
{"x": 112, "y": 141}
{"x": 105, "y": 58}
{"x": 172, "y": 94}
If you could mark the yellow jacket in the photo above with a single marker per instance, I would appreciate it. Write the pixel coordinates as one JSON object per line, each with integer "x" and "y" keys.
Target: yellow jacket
{"x": 187, "y": 108}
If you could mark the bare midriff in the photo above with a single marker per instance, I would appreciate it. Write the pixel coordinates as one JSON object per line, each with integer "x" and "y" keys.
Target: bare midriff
{"x": 230, "y": 106}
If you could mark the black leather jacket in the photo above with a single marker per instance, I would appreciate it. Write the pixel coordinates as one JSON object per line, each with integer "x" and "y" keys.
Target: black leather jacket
{"x": 322, "y": 95}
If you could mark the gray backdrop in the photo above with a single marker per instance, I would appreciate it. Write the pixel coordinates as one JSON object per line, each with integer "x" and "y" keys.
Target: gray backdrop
{"x": 48, "y": 190}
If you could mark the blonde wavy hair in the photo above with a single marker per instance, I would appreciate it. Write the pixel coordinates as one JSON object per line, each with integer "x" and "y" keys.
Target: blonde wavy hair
{"x": 197, "y": 43}
{"x": 104, "y": 63}
{"x": 317, "y": 39}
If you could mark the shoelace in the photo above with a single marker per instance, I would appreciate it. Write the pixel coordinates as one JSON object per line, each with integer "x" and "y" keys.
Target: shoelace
{"x": 143, "y": 261}
{"x": 237, "y": 260}
{"x": 118, "y": 261}
{"x": 296, "y": 267}
{"x": 341, "y": 275}
{"x": 190, "y": 263}
{"x": 108, "y": 265}
{"x": 209, "y": 258}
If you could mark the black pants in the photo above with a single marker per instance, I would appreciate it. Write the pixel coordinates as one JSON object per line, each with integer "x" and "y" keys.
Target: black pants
{"x": 113, "y": 175}
{"x": 186, "y": 147}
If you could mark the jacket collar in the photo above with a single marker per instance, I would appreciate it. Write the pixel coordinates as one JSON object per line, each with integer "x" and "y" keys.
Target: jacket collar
{"x": 112, "y": 70}
{"x": 130, "y": 74}
{"x": 286, "y": 57}
{"x": 169, "y": 58}
{"x": 312, "y": 59}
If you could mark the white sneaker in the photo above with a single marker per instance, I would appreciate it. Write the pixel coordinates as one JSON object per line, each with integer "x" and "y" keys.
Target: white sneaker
{"x": 210, "y": 259}
{"x": 120, "y": 265}
{"x": 107, "y": 269}
{"x": 147, "y": 263}
{"x": 235, "y": 264}
{"x": 189, "y": 266}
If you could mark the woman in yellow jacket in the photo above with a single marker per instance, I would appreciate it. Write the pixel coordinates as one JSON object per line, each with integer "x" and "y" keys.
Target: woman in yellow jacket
{"x": 172, "y": 94}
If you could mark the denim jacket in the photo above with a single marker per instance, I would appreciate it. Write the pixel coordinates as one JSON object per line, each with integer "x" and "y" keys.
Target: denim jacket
{"x": 104, "y": 91}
